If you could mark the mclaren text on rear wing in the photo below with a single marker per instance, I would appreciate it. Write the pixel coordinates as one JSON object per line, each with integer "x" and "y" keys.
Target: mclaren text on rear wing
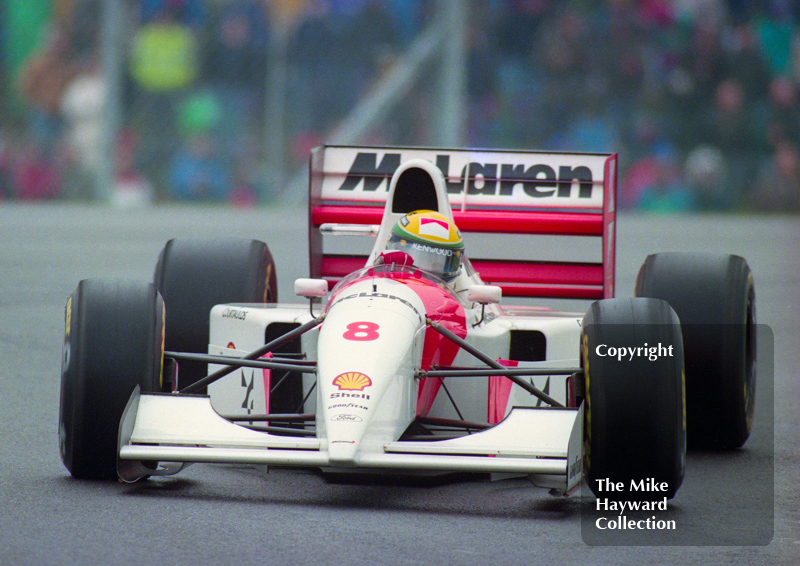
{"x": 490, "y": 192}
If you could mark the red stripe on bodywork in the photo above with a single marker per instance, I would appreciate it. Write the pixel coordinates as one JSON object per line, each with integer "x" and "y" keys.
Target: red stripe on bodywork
{"x": 564, "y": 223}
{"x": 338, "y": 266}
{"x": 533, "y": 273}
{"x": 267, "y": 373}
{"x": 499, "y": 393}
{"x": 442, "y": 307}
{"x": 518, "y": 279}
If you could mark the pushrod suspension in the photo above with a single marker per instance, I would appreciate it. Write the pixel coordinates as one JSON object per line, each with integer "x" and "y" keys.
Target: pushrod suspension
{"x": 254, "y": 355}
{"x": 492, "y": 363}
{"x": 243, "y": 362}
{"x": 477, "y": 372}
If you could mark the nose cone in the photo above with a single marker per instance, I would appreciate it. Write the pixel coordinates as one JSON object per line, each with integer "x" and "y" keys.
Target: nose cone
{"x": 342, "y": 453}
{"x": 369, "y": 347}
{"x": 352, "y": 402}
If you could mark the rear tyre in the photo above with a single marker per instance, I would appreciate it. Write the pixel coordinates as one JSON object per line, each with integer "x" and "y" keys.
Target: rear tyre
{"x": 193, "y": 275}
{"x": 113, "y": 342}
{"x": 634, "y": 406}
{"x": 714, "y": 298}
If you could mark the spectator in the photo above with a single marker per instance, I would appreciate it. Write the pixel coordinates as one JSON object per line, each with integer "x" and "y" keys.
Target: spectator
{"x": 164, "y": 63}
{"x": 235, "y": 66}
{"x": 777, "y": 188}
{"x": 43, "y": 79}
{"x": 668, "y": 192}
{"x": 707, "y": 177}
{"x": 198, "y": 173}
{"x": 85, "y": 23}
{"x": 777, "y": 115}
{"x": 132, "y": 189}
{"x": 655, "y": 183}
{"x": 200, "y": 112}
{"x": 186, "y": 12}
{"x": 744, "y": 61}
{"x": 164, "y": 56}
{"x": 773, "y": 32}
{"x": 313, "y": 58}
{"x": 372, "y": 41}
{"x": 6, "y": 174}
{"x": 669, "y": 84}
{"x": 544, "y": 111}
{"x": 249, "y": 184}
{"x": 36, "y": 174}
{"x": 82, "y": 108}
{"x": 482, "y": 88}
{"x": 728, "y": 126}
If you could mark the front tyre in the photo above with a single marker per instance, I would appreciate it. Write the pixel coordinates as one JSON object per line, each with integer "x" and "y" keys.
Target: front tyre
{"x": 194, "y": 275}
{"x": 634, "y": 427}
{"x": 113, "y": 342}
{"x": 714, "y": 297}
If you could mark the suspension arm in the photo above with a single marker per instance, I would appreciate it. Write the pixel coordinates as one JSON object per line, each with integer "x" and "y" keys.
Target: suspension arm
{"x": 242, "y": 362}
{"x": 254, "y": 355}
{"x": 492, "y": 363}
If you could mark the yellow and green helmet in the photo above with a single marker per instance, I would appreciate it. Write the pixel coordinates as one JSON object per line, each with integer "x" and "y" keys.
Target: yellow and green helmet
{"x": 432, "y": 240}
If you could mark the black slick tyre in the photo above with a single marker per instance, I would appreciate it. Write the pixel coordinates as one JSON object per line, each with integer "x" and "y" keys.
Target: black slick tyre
{"x": 714, "y": 297}
{"x": 634, "y": 427}
{"x": 113, "y": 342}
{"x": 193, "y": 275}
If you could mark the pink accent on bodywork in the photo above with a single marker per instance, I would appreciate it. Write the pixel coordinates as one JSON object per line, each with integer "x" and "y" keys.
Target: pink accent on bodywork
{"x": 267, "y": 382}
{"x": 609, "y": 226}
{"x": 442, "y": 307}
{"x": 499, "y": 393}
{"x": 397, "y": 257}
{"x": 567, "y": 278}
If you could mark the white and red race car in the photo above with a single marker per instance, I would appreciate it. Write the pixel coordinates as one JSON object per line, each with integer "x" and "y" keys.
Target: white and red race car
{"x": 390, "y": 369}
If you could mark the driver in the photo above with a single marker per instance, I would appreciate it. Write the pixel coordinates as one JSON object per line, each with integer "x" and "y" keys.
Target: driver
{"x": 431, "y": 240}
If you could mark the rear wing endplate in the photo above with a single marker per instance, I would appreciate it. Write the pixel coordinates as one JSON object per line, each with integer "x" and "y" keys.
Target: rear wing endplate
{"x": 491, "y": 192}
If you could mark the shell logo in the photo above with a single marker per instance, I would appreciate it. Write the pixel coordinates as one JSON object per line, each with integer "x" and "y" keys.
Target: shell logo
{"x": 352, "y": 381}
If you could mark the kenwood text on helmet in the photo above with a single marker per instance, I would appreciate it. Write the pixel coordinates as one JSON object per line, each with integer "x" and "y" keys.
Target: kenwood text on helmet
{"x": 432, "y": 240}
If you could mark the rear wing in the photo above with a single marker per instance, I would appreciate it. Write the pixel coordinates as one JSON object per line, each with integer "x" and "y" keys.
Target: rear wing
{"x": 490, "y": 192}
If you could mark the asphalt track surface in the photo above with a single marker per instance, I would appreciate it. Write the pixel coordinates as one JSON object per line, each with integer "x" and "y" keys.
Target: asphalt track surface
{"x": 236, "y": 515}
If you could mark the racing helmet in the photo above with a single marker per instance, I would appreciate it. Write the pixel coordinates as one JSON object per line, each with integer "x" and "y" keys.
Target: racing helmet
{"x": 432, "y": 240}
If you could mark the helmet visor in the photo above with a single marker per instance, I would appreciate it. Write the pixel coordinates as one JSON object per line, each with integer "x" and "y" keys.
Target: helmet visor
{"x": 439, "y": 260}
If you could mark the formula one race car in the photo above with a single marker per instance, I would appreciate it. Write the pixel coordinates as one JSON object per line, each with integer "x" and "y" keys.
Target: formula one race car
{"x": 411, "y": 365}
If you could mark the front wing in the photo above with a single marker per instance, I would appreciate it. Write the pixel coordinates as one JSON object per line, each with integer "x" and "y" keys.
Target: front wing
{"x": 173, "y": 430}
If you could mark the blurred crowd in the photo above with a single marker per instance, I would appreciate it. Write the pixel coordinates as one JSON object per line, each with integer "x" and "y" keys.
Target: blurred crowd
{"x": 698, "y": 97}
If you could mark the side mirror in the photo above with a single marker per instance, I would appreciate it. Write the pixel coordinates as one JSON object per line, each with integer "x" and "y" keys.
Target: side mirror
{"x": 310, "y": 288}
{"x": 484, "y": 294}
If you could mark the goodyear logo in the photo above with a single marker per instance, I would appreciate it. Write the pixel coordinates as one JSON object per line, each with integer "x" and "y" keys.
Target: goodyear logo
{"x": 352, "y": 381}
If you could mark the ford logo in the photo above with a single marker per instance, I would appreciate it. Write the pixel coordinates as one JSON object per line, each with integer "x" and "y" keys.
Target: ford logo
{"x": 346, "y": 418}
